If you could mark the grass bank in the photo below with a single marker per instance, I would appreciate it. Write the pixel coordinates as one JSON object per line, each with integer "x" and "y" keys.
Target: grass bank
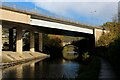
{"x": 90, "y": 71}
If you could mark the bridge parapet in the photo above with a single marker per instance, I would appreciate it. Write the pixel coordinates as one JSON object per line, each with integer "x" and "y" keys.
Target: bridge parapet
{"x": 13, "y": 16}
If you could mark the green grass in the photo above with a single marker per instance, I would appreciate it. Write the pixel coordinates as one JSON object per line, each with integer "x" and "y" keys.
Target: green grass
{"x": 90, "y": 71}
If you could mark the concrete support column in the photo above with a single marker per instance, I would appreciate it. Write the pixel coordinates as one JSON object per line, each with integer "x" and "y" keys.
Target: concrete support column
{"x": 32, "y": 41}
{"x": 40, "y": 42}
{"x": 11, "y": 39}
{"x": 0, "y": 42}
{"x": 19, "y": 44}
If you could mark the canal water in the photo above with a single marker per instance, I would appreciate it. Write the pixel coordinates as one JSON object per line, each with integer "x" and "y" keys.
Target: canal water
{"x": 48, "y": 68}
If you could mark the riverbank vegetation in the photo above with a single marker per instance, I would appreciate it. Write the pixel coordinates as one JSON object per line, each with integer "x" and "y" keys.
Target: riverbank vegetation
{"x": 53, "y": 46}
{"x": 108, "y": 45}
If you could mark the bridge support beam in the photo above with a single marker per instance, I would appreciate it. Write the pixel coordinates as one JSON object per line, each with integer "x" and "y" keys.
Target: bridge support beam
{"x": 40, "y": 42}
{"x": 19, "y": 44}
{"x": 0, "y": 42}
{"x": 11, "y": 39}
{"x": 32, "y": 43}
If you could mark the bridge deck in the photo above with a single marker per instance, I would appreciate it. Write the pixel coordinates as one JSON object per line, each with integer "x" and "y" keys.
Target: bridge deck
{"x": 49, "y": 18}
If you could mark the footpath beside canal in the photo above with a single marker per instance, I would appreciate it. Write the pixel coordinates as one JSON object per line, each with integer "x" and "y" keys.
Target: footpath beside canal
{"x": 106, "y": 71}
{"x": 13, "y": 58}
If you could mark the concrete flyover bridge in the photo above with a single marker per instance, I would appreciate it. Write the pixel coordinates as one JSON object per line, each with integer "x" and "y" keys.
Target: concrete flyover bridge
{"x": 21, "y": 20}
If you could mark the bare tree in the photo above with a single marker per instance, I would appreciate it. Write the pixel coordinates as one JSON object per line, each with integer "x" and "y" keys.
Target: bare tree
{"x": 115, "y": 18}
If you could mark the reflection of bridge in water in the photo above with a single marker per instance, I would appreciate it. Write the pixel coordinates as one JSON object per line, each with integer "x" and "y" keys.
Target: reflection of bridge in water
{"x": 19, "y": 20}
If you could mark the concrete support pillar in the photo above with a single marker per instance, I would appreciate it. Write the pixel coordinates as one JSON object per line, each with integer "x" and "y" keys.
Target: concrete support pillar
{"x": 32, "y": 41}
{"x": 40, "y": 42}
{"x": 11, "y": 39}
{"x": 0, "y": 42}
{"x": 19, "y": 44}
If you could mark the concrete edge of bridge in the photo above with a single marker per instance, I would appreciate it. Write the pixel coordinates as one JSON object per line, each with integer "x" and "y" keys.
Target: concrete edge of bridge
{"x": 13, "y": 58}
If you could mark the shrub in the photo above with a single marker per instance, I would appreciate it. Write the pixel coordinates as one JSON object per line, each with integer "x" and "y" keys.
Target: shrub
{"x": 53, "y": 46}
{"x": 109, "y": 44}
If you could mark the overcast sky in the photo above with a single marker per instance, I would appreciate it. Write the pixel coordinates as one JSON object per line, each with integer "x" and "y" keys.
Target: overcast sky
{"x": 90, "y": 12}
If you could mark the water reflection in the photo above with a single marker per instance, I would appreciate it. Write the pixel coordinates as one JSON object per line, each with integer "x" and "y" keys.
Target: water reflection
{"x": 0, "y": 74}
{"x": 19, "y": 71}
{"x": 32, "y": 66}
{"x": 42, "y": 69}
{"x": 25, "y": 70}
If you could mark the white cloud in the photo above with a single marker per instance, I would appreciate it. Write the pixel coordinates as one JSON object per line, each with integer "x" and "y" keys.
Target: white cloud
{"x": 101, "y": 9}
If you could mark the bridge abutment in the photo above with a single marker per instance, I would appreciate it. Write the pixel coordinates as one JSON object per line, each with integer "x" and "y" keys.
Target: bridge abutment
{"x": 98, "y": 33}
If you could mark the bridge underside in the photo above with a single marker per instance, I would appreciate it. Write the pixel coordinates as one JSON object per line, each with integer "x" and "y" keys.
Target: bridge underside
{"x": 61, "y": 32}
{"x": 39, "y": 29}
{"x": 42, "y": 29}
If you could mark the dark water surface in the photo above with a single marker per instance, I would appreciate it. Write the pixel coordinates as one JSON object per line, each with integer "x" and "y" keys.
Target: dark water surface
{"x": 48, "y": 68}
